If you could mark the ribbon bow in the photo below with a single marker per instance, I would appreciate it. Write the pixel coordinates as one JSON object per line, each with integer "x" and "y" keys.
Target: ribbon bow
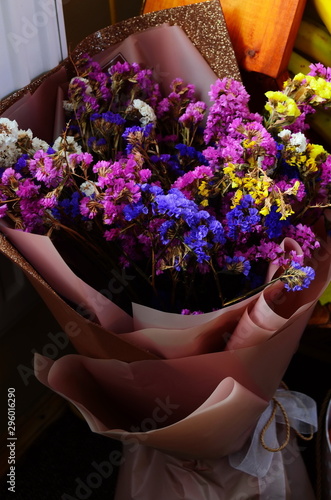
{"x": 291, "y": 409}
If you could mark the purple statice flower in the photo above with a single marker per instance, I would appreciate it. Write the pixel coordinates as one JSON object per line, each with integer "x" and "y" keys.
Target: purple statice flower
{"x": 196, "y": 240}
{"x": 68, "y": 207}
{"x": 202, "y": 226}
{"x": 87, "y": 208}
{"x": 325, "y": 175}
{"x": 84, "y": 160}
{"x": 217, "y": 230}
{"x": 178, "y": 87}
{"x": 243, "y": 219}
{"x": 32, "y": 213}
{"x": 108, "y": 118}
{"x": 285, "y": 184}
{"x": 95, "y": 144}
{"x": 187, "y": 312}
{"x": 168, "y": 162}
{"x": 153, "y": 189}
{"x": 268, "y": 251}
{"x": 214, "y": 157}
{"x": 320, "y": 70}
{"x": 77, "y": 88}
{"x": 86, "y": 64}
{"x": 114, "y": 118}
{"x": 181, "y": 95}
{"x": 190, "y": 178}
{"x": 230, "y": 101}
{"x": 144, "y": 175}
{"x": 297, "y": 277}
{"x": 230, "y": 150}
{"x": 48, "y": 202}
{"x": 150, "y": 88}
{"x": 90, "y": 105}
{"x": 9, "y": 176}
{"x": 112, "y": 234}
{"x": 122, "y": 68}
{"x": 99, "y": 82}
{"x": 194, "y": 114}
{"x": 28, "y": 189}
{"x": 175, "y": 204}
{"x": 44, "y": 169}
{"x": 305, "y": 236}
{"x": 260, "y": 141}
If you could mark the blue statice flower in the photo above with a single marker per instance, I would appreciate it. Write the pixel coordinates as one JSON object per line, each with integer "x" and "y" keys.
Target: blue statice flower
{"x": 172, "y": 163}
{"x": 150, "y": 188}
{"x": 114, "y": 118}
{"x": 133, "y": 210}
{"x": 175, "y": 204}
{"x": 297, "y": 277}
{"x": 191, "y": 152}
{"x": 217, "y": 231}
{"x": 164, "y": 229}
{"x": 93, "y": 142}
{"x": 273, "y": 224}
{"x": 286, "y": 170}
{"x": 135, "y": 135}
{"x": 67, "y": 206}
{"x": 195, "y": 239}
{"x": 21, "y": 162}
{"x": 279, "y": 149}
{"x": 239, "y": 264}
{"x": 243, "y": 218}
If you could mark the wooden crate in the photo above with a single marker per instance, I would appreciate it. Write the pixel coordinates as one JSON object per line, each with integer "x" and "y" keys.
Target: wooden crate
{"x": 262, "y": 32}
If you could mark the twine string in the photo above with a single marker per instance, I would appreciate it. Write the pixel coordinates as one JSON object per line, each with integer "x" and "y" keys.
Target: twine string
{"x": 278, "y": 404}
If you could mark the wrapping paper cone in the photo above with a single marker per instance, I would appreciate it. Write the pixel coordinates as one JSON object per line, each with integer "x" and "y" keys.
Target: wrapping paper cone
{"x": 196, "y": 383}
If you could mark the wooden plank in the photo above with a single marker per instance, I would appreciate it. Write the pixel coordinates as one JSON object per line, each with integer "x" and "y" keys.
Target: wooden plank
{"x": 262, "y": 33}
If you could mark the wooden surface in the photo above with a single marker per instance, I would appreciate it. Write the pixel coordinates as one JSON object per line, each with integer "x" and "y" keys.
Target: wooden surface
{"x": 262, "y": 33}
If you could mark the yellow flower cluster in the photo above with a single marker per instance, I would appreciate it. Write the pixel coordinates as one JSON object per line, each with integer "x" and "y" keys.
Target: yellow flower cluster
{"x": 320, "y": 87}
{"x": 204, "y": 192}
{"x": 255, "y": 184}
{"x": 308, "y": 161}
{"x": 281, "y": 104}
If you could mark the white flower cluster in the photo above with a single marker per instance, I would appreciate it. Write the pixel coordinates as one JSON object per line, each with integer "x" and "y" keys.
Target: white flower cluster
{"x": 298, "y": 140}
{"x": 147, "y": 113}
{"x": 10, "y": 139}
{"x": 70, "y": 145}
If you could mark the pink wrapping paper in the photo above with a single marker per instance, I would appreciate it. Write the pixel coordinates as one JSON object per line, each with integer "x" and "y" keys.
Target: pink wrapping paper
{"x": 206, "y": 383}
